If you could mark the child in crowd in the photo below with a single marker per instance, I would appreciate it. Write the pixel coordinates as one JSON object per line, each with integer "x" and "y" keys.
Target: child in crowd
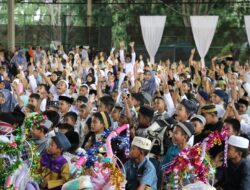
{"x": 54, "y": 169}
{"x": 65, "y": 103}
{"x": 145, "y": 118}
{"x": 70, "y": 118}
{"x": 137, "y": 100}
{"x": 116, "y": 114}
{"x": 185, "y": 110}
{"x": 84, "y": 90}
{"x": 237, "y": 174}
{"x": 81, "y": 100}
{"x": 40, "y": 137}
{"x": 106, "y": 104}
{"x": 199, "y": 123}
{"x": 83, "y": 121}
{"x": 181, "y": 134}
{"x": 34, "y": 99}
{"x": 160, "y": 107}
{"x": 233, "y": 126}
{"x": 140, "y": 172}
{"x": 100, "y": 122}
{"x": 213, "y": 123}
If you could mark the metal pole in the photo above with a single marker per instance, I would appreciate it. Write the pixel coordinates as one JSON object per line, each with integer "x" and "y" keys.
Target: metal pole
{"x": 11, "y": 25}
{"x": 89, "y": 13}
{"x": 89, "y": 19}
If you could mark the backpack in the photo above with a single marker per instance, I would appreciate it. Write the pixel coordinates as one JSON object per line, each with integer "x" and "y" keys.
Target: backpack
{"x": 158, "y": 133}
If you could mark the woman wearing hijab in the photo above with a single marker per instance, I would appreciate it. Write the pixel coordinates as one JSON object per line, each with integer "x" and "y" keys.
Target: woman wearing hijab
{"x": 7, "y": 101}
{"x": 149, "y": 84}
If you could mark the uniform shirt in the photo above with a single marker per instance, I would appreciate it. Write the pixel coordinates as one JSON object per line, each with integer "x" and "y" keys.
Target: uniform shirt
{"x": 144, "y": 173}
{"x": 160, "y": 116}
{"x": 43, "y": 105}
{"x": 245, "y": 118}
{"x": 80, "y": 127}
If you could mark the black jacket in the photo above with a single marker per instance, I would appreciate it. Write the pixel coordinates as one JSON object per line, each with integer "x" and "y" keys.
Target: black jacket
{"x": 236, "y": 177}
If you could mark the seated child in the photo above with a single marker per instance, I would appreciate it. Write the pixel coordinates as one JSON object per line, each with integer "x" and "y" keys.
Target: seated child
{"x": 199, "y": 123}
{"x": 237, "y": 173}
{"x": 54, "y": 168}
{"x": 181, "y": 134}
{"x": 140, "y": 172}
{"x": 116, "y": 114}
{"x": 40, "y": 137}
{"x": 70, "y": 118}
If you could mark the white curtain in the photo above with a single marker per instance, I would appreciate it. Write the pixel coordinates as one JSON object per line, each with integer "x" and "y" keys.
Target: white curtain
{"x": 247, "y": 26}
{"x": 152, "y": 29}
{"x": 203, "y": 28}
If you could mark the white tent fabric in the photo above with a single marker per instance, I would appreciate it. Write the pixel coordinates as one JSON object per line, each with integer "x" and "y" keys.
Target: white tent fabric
{"x": 152, "y": 29}
{"x": 203, "y": 28}
{"x": 247, "y": 26}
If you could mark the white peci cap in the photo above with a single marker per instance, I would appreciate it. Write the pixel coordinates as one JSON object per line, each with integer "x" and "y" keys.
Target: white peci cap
{"x": 239, "y": 142}
{"x": 142, "y": 143}
{"x": 200, "y": 118}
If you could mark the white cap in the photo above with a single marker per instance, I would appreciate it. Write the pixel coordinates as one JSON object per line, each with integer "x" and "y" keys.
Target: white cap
{"x": 199, "y": 117}
{"x": 85, "y": 85}
{"x": 67, "y": 84}
{"x": 239, "y": 142}
{"x": 142, "y": 143}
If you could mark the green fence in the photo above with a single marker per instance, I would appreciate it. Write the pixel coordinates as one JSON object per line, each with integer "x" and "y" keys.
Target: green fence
{"x": 176, "y": 42}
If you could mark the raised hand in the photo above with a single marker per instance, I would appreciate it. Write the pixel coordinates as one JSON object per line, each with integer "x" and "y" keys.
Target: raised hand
{"x": 132, "y": 44}
{"x": 193, "y": 51}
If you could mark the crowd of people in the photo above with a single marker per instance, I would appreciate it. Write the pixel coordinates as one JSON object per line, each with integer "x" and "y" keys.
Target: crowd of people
{"x": 81, "y": 96}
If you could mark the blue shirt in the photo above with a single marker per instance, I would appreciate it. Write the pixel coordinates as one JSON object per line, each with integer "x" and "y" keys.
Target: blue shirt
{"x": 144, "y": 173}
{"x": 169, "y": 156}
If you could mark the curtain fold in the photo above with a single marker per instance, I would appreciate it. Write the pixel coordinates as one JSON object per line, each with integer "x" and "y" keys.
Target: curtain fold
{"x": 152, "y": 29}
{"x": 203, "y": 28}
{"x": 247, "y": 26}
